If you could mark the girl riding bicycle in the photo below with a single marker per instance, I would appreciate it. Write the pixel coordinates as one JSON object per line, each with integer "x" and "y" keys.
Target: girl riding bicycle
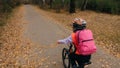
{"x": 79, "y": 29}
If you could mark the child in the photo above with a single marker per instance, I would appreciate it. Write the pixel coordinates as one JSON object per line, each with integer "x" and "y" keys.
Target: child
{"x": 79, "y": 26}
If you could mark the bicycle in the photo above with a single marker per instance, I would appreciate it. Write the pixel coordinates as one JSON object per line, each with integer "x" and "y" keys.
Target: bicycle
{"x": 65, "y": 56}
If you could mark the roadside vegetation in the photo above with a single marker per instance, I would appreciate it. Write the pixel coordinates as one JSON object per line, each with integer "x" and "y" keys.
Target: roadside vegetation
{"x": 6, "y": 7}
{"x": 105, "y": 6}
{"x": 14, "y": 49}
{"x": 9, "y": 33}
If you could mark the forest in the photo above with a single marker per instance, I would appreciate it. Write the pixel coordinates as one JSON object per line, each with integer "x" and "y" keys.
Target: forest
{"x": 106, "y": 6}
{"x": 6, "y": 7}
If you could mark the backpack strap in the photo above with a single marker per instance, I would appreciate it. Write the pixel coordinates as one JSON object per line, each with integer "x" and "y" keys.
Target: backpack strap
{"x": 78, "y": 36}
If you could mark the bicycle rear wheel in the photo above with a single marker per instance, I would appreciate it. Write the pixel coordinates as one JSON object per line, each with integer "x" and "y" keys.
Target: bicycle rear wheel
{"x": 65, "y": 58}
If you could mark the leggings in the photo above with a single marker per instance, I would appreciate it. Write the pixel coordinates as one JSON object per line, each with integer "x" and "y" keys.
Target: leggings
{"x": 81, "y": 59}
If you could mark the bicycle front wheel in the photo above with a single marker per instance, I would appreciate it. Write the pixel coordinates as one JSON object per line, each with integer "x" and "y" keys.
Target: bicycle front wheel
{"x": 65, "y": 58}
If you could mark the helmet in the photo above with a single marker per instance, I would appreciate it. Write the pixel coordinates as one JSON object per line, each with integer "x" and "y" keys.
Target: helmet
{"x": 78, "y": 24}
{"x": 79, "y": 21}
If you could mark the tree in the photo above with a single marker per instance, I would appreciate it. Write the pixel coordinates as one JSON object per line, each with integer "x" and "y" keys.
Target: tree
{"x": 72, "y": 6}
{"x": 51, "y": 3}
{"x": 84, "y": 5}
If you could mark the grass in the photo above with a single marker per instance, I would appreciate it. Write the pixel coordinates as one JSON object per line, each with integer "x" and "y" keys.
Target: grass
{"x": 15, "y": 50}
{"x": 10, "y": 40}
{"x": 4, "y": 17}
{"x": 105, "y": 27}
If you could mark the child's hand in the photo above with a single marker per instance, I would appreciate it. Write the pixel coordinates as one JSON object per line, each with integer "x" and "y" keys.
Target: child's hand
{"x": 58, "y": 42}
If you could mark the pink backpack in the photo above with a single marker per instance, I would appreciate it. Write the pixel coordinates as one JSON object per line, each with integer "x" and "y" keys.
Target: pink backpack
{"x": 86, "y": 44}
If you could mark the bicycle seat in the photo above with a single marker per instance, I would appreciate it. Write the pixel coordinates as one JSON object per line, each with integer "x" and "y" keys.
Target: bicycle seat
{"x": 87, "y": 63}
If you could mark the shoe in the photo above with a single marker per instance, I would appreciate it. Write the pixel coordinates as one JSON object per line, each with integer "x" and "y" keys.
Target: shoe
{"x": 74, "y": 66}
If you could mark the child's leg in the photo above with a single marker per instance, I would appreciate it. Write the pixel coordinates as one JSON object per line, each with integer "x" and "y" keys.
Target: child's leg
{"x": 82, "y": 59}
{"x": 72, "y": 60}
{"x": 79, "y": 59}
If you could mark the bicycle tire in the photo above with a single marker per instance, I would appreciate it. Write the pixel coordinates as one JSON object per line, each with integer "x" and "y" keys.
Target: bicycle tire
{"x": 65, "y": 57}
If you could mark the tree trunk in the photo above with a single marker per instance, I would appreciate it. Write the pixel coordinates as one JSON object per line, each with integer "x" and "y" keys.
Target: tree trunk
{"x": 84, "y": 5}
{"x": 72, "y": 6}
{"x": 62, "y": 4}
{"x": 41, "y": 3}
{"x": 51, "y": 3}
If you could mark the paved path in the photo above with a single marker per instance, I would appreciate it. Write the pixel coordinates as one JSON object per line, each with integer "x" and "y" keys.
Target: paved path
{"x": 45, "y": 32}
{"x": 40, "y": 29}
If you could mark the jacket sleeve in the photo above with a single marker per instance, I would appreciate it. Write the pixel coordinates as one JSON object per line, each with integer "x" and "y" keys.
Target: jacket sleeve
{"x": 66, "y": 40}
